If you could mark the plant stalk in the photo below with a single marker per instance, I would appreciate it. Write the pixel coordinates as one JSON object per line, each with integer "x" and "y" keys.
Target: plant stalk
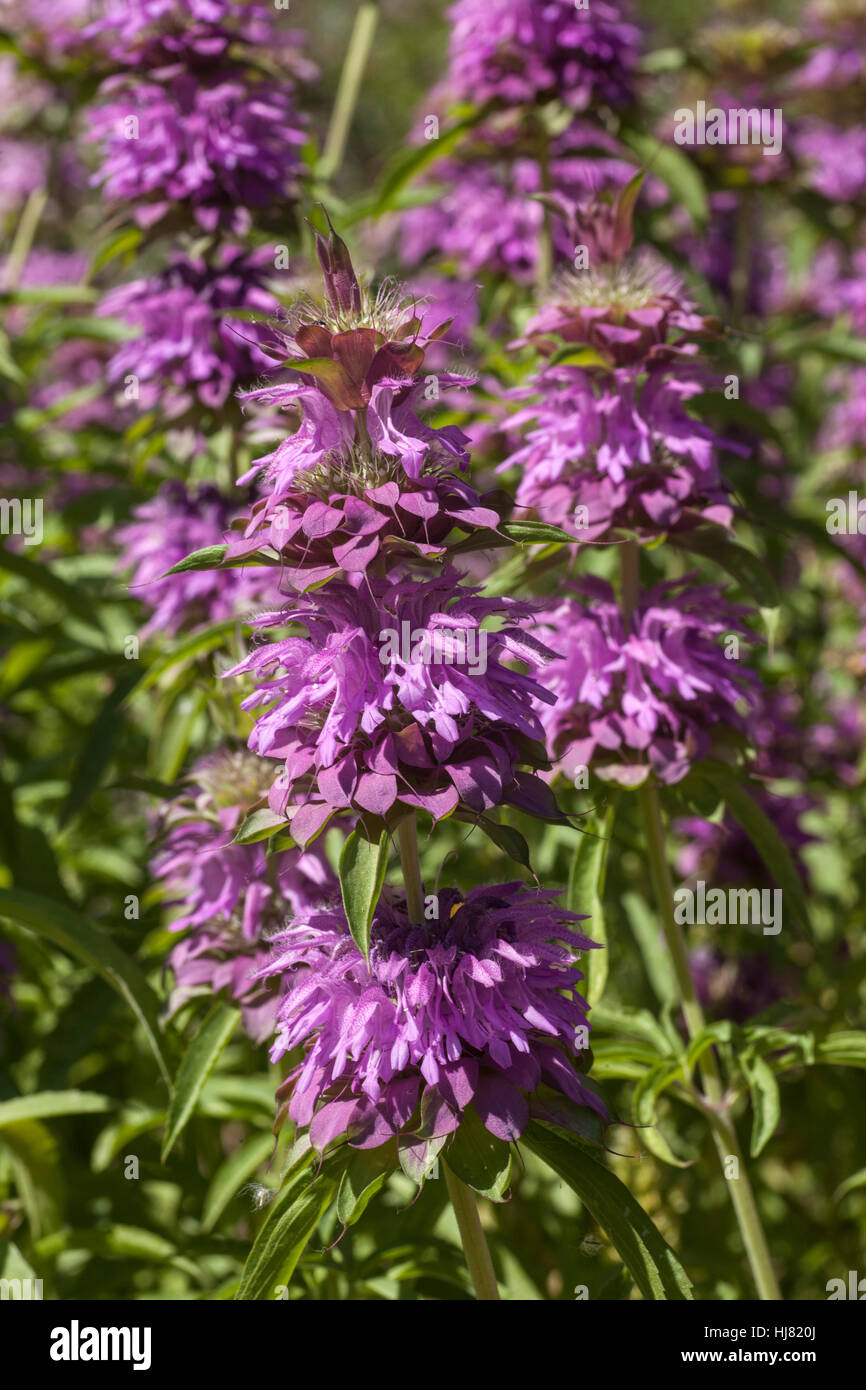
{"x": 407, "y": 839}
{"x": 721, "y": 1123}
{"x": 478, "y": 1260}
{"x": 351, "y": 77}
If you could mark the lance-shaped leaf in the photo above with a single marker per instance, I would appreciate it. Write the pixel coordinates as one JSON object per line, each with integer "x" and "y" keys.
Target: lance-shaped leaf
{"x": 75, "y": 934}
{"x": 362, "y": 872}
{"x": 763, "y": 835}
{"x": 198, "y": 1062}
{"x": 303, "y": 1199}
{"x": 651, "y": 1262}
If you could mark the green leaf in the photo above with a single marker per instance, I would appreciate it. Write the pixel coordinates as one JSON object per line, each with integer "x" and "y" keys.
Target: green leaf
{"x": 292, "y": 1218}
{"x": 535, "y": 532}
{"x": 38, "y": 1176}
{"x": 175, "y": 731}
{"x": 74, "y": 933}
{"x": 231, "y": 1175}
{"x": 196, "y": 644}
{"x": 362, "y": 872}
{"x": 42, "y": 576}
{"x": 478, "y": 1158}
{"x": 570, "y": 356}
{"x": 97, "y": 750}
{"x": 651, "y": 944}
{"x": 764, "y": 836}
{"x": 413, "y": 162}
{"x": 856, "y": 1180}
{"x": 112, "y": 1140}
{"x": 653, "y": 1265}
{"x": 557, "y": 1110}
{"x": 126, "y": 240}
{"x": 673, "y": 168}
{"x": 505, "y": 837}
{"x": 638, "y": 1023}
{"x": 366, "y": 1173}
{"x": 646, "y": 1095}
{"x": 260, "y": 825}
{"x": 418, "y": 1158}
{"x": 741, "y": 564}
{"x": 586, "y": 893}
{"x": 210, "y": 557}
{"x": 47, "y": 1104}
{"x": 198, "y": 1062}
{"x": 844, "y": 1049}
{"x": 766, "y": 1106}
{"x": 722, "y": 1032}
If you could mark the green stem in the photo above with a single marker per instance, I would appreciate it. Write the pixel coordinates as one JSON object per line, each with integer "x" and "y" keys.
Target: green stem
{"x": 721, "y": 1123}
{"x": 629, "y": 579}
{"x": 23, "y": 239}
{"x": 407, "y": 838}
{"x": 351, "y": 77}
{"x": 478, "y": 1260}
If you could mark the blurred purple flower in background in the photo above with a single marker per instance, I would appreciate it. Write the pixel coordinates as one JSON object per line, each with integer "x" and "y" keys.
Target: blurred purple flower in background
{"x": 190, "y": 347}
{"x": 521, "y": 51}
{"x": 233, "y": 897}
{"x": 177, "y": 521}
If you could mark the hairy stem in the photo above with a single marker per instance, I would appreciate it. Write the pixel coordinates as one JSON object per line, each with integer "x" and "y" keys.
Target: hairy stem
{"x": 407, "y": 838}
{"x": 360, "y": 43}
{"x": 478, "y": 1260}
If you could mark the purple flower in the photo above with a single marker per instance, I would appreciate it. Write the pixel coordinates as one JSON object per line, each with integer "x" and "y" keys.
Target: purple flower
{"x": 521, "y": 51}
{"x": 834, "y": 160}
{"x": 334, "y": 504}
{"x": 486, "y": 218}
{"x": 845, "y": 424}
{"x": 836, "y": 58}
{"x": 450, "y": 301}
{"x": 642, "y": 701}
{"x": 221, "y": 146}
{"x": 150, "y": 33}
{"x": 476, "y": 1008}
{"x": 362, "y": 474}
{"x": 608, "y": 450}
{"x": 397, "y": 698}
{"x": 737, "y": 988}
{"x": 189, "y": 347}
{"x": 164, "y": 530}
{"x": 233, "y": 897}
{"x": 630, "y": 311}
{"x": 713, "y": 253}
{"x": 23, "y": 168}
